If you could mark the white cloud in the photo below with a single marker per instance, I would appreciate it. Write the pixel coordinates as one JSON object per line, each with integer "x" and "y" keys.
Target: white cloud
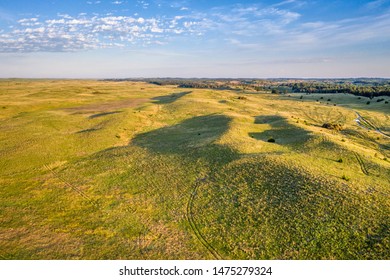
{"x": 247, "y": 27}
{"x": 66, "y": 33}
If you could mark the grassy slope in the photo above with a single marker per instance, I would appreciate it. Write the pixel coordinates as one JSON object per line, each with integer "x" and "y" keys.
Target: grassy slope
{"x": 103, "y": 170}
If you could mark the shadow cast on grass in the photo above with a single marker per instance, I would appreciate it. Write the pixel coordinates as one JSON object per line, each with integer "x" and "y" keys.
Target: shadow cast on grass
{"x": 167, "y": 99}
{"x": 87, "y": 130}
{"x": 282, "y": 132}
{"x": 103, "y": 114}
{"x": 192, "y": 138}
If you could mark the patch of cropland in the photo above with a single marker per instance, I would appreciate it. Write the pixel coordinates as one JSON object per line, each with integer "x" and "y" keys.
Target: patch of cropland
{"x": 133, "y": 170}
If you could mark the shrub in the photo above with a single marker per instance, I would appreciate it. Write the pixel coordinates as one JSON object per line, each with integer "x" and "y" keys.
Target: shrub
{"x": 345, "y": 178}
{"x": 340, "y": 160}
{"x": 368, "y": 102}
{"x": 333, "y": 126}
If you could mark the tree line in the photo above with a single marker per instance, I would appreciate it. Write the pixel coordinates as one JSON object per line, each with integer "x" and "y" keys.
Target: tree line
{"x": 365, "y": 87}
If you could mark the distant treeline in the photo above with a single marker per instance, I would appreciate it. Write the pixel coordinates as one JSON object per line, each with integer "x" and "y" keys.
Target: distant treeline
{"x": 366, "y": 87}
{"x": 366, "y": 90}
{"x": 195, "y": 83}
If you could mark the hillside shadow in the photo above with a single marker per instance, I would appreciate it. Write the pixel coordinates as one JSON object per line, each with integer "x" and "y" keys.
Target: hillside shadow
{"x": 282, "y": 132}
{"x": 267, "y": 119}
{"x": 94, "y": 116}
{"x": 167, "y": 99}
{"x": 193, "y": 138}
{"x": 87, "y": 130}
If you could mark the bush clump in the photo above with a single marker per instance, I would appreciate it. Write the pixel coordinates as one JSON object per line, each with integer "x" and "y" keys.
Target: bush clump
{"x": 333, "y": 126}
{"x": 345, "y": 178}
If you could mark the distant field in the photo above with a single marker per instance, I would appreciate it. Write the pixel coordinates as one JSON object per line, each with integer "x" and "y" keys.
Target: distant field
{"x": 130, "y": 170}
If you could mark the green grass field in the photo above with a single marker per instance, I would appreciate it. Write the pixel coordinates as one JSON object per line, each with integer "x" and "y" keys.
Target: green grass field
{"x": 126, "y": 170}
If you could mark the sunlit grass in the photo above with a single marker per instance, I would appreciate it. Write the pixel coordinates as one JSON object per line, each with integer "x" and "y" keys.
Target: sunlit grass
{"x": 120, "y": 170}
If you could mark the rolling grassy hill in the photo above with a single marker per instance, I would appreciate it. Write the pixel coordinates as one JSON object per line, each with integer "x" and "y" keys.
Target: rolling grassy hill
{"x": 129, "y": 170}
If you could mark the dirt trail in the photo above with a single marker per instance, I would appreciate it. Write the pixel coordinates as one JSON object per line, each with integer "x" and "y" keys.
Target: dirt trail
{"x": 361, "y": 163}
{"x": 363, "y": 122}
{"x": 193, "y": 225}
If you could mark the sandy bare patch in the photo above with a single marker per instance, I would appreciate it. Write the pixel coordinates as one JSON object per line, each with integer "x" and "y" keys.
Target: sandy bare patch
{"x": 106, "y": 107}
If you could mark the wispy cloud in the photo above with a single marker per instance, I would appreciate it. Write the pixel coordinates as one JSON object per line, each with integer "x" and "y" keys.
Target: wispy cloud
{"x": 253, "y": 21}
{"x": 93, "y": 2}
{"x": 255, "y": 27}
{"x": 376, "y": 4}
{"x": 295, "y": 3}
{"x": 351, "y": 31}
{"x": 5, "y": 15}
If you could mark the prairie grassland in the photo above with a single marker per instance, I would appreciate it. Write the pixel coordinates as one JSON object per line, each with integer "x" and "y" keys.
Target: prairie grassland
{"x": 124, "y": 170}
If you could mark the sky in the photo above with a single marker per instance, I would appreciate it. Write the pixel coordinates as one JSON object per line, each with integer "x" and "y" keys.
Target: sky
{"x": 194, "y": 39}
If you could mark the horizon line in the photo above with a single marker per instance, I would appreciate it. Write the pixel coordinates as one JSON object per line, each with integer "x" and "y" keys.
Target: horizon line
{"x": 196, "y": 78}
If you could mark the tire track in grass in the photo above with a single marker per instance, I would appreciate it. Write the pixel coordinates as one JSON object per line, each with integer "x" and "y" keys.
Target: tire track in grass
{"x": 71, "y": 186}
{"x": 363, "y": 122}
{"x": 361, "y": 163}
{"x": 80, "y": 192}
{"x": 193, "y": 225}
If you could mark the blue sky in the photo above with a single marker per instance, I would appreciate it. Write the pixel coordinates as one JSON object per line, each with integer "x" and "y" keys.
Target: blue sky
{"x": 183, "y": 38}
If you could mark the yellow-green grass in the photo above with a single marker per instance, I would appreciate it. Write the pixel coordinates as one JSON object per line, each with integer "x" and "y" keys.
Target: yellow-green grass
{"x": 125, "y": 170}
